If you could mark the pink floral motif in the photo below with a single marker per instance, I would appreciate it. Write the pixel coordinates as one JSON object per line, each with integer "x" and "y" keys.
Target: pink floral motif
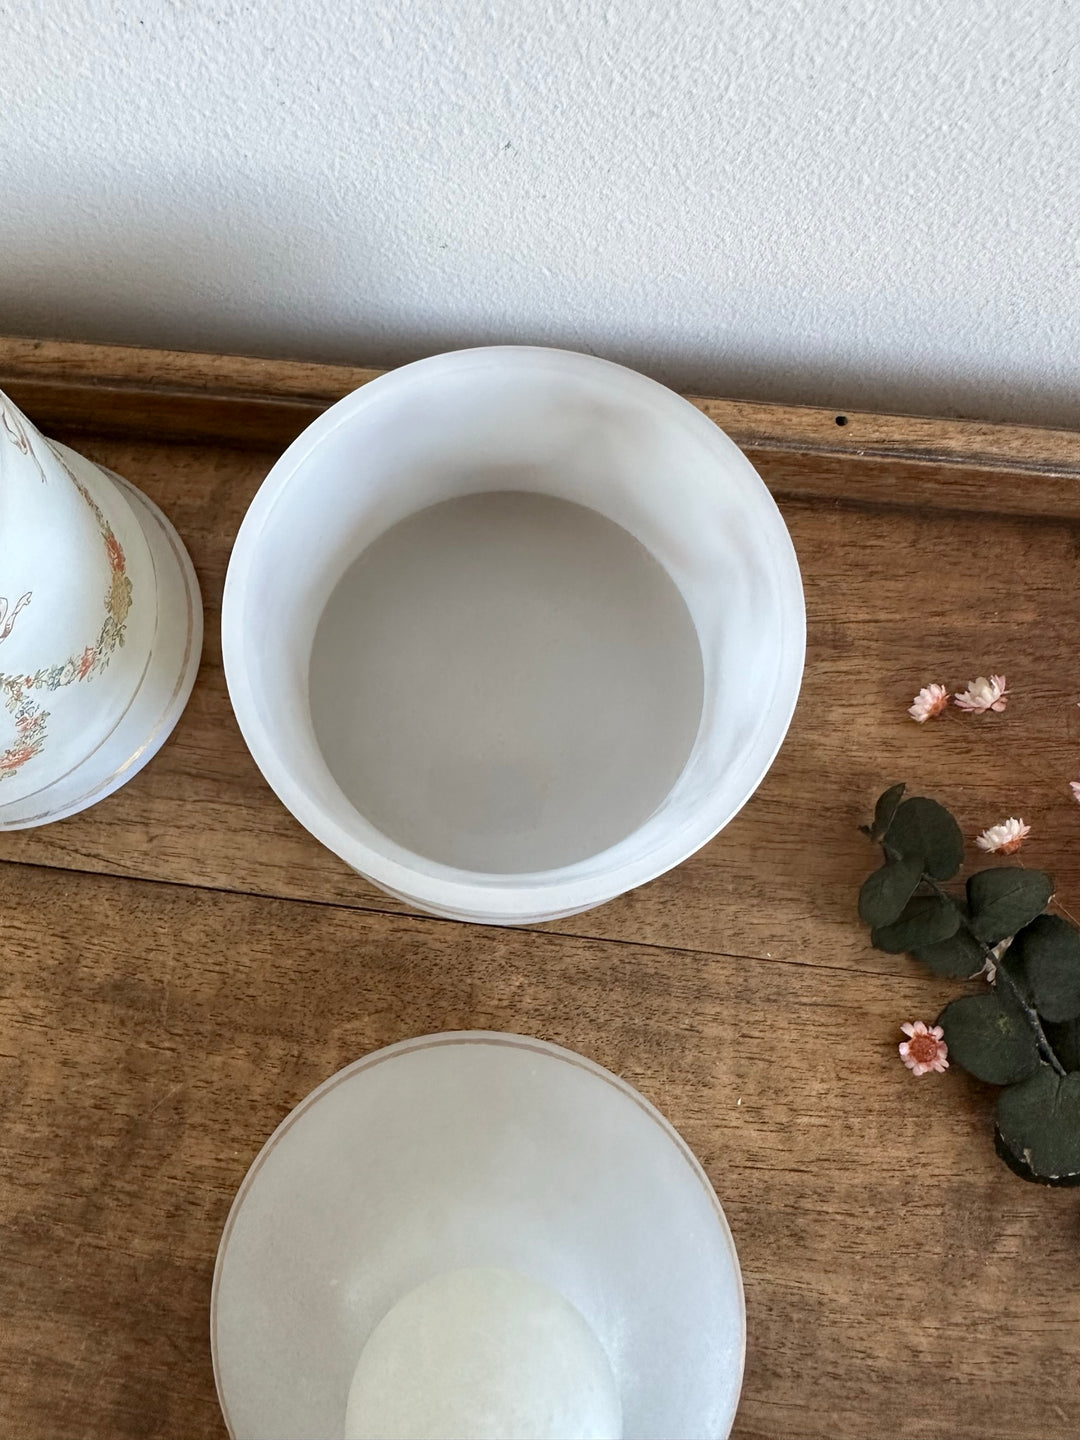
{"x": 1074, "y": 786}
{"x": 30, "y": 723}
{"x": 16, "y": 691}
{"x": 16, "y": 756}
{"x": 924, "y": 1049}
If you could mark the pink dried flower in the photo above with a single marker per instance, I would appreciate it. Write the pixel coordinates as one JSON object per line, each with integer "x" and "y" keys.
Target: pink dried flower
{"x": 1003, "y": 839}
{"x": 924, "y": 1049}
{"x": 1074, "y": 786}
{"x": 930, "y": 701}
{"x": 983, "y": 694}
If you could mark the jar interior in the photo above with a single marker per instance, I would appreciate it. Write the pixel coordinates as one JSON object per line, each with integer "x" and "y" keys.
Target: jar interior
{"x": 506, "y": 682}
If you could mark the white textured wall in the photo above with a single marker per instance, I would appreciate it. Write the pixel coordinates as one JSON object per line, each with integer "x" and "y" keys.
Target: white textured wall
{"x": 856, "y": 202}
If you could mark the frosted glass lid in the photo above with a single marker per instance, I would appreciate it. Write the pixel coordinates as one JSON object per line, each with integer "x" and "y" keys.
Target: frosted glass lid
{"x": 475, "y": 1149}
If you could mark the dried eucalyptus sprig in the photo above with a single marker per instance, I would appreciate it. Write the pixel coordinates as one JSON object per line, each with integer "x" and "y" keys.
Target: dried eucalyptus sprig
{"x": 1024, "y": 1032}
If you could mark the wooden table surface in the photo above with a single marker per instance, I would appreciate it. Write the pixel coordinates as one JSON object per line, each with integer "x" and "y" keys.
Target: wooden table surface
{"x": 183, "y": 963}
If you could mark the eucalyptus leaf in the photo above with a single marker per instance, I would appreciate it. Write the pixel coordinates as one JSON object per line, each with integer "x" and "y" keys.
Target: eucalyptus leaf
{"x": 1046, "y": 956}
{"x": 1024, "y": 1170}
{"x": 1039, "y": 1123}
{"x": 1065, "y": 1042}
{"x": 885, "y": 893}
{"x": 924, "y": 830}
{"x": 989, "y": 1040}
{"x": 958, "y": 957}
{"x": 1002, "y": 901}
{"x": 926, "y": 920}
{"x": 885, "y": 810}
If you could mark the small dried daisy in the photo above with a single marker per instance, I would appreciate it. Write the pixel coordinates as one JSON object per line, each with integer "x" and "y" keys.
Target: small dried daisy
{"x": 1003, "y": 839}
{"x": 1074, "y": 786}
{"x": 924, "y": 1049}
{"x": 982, "y": 695}
{"x": 930, "y": 701}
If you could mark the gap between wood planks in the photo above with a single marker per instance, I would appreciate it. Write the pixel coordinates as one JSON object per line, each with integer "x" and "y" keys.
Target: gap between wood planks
{"x": 417, "y": 917}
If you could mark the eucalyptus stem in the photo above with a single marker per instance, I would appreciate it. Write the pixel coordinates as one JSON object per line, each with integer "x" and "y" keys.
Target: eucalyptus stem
{"x": 1031, "y": 1015}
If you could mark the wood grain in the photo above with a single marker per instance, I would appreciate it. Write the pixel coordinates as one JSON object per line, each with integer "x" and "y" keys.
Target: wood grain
{"x": 800, "y": 450}
{"x": 895, "y": 598}
{"x": 899, "y": 1280}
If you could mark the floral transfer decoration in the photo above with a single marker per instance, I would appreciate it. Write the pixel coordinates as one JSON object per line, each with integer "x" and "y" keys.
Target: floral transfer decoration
{"x": 19, "y": 693}
{"x": 12, "y": 427}
{"x": 8, "y": 615}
